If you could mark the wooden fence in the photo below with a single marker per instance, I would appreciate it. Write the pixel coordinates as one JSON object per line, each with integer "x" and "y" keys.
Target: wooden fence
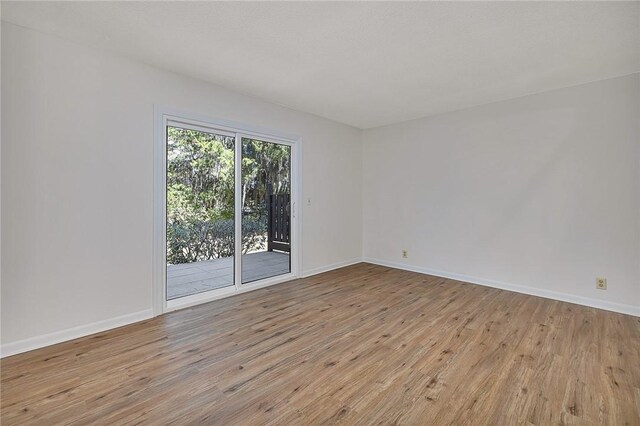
{"x": 279, "y": 227}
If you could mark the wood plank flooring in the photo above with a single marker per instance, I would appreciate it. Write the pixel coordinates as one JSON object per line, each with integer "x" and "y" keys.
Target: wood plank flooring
{"x": 360, "y": 345}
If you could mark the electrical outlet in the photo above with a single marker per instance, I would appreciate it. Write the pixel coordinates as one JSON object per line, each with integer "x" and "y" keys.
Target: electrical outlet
{"x": 601, "y": 283}
{"x": 405, "y": 254}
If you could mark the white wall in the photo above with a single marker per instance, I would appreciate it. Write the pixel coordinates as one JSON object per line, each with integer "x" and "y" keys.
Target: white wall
{"x": 77, "y": 181}
{"x": 541, "y": 192}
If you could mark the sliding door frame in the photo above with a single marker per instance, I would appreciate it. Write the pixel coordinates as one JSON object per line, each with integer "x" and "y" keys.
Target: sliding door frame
{"x": 162, "y": 117}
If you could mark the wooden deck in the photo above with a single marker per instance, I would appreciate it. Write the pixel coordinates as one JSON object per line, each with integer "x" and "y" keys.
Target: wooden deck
{"x": 360, "y": 345}
{"x": 192, "y": 278}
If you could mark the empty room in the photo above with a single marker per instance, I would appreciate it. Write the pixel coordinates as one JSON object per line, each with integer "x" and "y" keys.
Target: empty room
{"x": 301, "y": 213}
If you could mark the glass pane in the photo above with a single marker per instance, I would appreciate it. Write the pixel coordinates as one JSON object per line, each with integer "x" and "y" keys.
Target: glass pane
{"x": 200, "y": 209}
{"x": 266, "y": 208}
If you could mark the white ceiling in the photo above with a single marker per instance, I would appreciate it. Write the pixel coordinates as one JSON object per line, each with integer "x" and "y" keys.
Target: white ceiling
{"x": 364, "y": 64}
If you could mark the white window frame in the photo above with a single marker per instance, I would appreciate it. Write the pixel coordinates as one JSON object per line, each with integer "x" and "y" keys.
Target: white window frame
{"x": 165, "y": 115}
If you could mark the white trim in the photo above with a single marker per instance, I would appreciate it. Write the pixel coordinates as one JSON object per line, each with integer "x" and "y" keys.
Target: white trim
{"x": 196, "y": 299}
{"x": 183, "y": 123}
{"x": 162, "y": 116}
{"x": 237, "y": 213}
{"x": 37, "y": 342}
{"x": 548, "y": 294}
{"x": 327, "y": 268}
{"x": 159, "y": 262}
{"x": 194, "y": 118}
{"x": 295, "y": 215}
{"x": 222, "y": 293}
{"x": 100, "y": 326}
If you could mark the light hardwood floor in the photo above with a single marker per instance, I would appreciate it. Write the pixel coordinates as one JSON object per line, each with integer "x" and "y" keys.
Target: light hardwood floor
{"x": 360, "y": 345}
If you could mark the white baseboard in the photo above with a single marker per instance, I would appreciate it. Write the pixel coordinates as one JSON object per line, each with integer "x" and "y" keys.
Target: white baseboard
{"x": 99, "y": 326}
{"x": 37, "y": 342}
{"x": 72, "y": 333}
{"x": 331, "y": 267}
{"x": 548, "y": 294}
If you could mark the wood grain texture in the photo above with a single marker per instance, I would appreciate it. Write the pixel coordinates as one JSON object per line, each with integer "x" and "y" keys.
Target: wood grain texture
{"x": 363, "y": 344}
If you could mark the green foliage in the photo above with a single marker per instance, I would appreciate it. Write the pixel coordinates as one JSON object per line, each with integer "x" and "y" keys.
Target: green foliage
{"x": 265, "y": 168}
{"x": 199, "y": 175}
{"x": 197, "y": 240}
{"x": 200, "y": 193}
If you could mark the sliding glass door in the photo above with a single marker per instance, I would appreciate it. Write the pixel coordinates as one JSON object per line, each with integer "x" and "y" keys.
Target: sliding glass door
{"x": 229, "y": 211}
{"x": 200, "y": 211}
{"x": 266, "y": 209}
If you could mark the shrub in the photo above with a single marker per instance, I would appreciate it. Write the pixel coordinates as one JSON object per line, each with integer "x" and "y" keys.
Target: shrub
{"x": 193, "y": 240}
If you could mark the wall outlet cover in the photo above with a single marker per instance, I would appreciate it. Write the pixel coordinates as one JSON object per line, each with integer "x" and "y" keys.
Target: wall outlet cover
{"x": 601, "y": 283}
